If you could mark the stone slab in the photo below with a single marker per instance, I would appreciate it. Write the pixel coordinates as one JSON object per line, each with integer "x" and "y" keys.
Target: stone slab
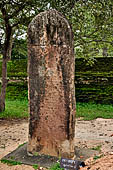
{"x": 20, "y": 155}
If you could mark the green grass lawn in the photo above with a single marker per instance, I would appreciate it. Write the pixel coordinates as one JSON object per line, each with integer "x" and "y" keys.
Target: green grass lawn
{"x": 89, "y": 111}
{"x": 15, "y": 109}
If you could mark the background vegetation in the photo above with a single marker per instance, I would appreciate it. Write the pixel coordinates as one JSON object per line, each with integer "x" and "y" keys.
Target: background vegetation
{"x": 94, "y": 90}
{"x": 94, "y": 83}
{"x": 92, "y": 25}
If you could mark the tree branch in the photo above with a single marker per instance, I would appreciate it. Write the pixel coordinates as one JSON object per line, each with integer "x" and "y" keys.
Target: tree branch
{"x": 73, "y": 3}
{"x": 110, "y": 42}
{"x": 19, "y": 21}
{"x": 17, "y": 11}
{"x": 88, "y": 36}
{"x": 5, "y": 16}
{"x": 87, "y": 42}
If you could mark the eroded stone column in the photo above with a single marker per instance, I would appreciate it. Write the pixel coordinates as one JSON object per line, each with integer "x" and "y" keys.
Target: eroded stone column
{"x": 51, "y": 65}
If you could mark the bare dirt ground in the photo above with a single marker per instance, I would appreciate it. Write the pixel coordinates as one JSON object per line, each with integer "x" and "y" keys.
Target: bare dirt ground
{"x": 89, "y": 134}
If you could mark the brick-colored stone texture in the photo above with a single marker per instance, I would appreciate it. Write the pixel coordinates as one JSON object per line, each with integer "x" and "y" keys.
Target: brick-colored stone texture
{"x": 51, "y": 65}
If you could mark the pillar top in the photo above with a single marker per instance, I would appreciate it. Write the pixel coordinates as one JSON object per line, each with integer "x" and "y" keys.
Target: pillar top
{"x": 50, "y": 27}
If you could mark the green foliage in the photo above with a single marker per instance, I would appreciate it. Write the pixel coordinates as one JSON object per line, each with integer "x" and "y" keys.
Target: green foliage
{"x": 19, "y": 50}
{"x": 19, "y": 12}
{"x": 36, "y": 154}
{"x": 98, "y": 93}
{"x": 97, "y": 148}
{"x": 90, "y": 111}
{"x": 92, "y": 24}
{"x": 100, "y": 65}
{"x": 97, "y": 157}
{"x": 17, "y": 74}
{"x": 17, "y": 90}
{"x": 56, "y": 167}
{"x": 17, "y": 69}
{"x": 10, "y": 162}
{"x": 22, "y": 144}
{"x": 15, "y": 109}
{"x": 35, "y": 166}
{"x": 94, "y": 83}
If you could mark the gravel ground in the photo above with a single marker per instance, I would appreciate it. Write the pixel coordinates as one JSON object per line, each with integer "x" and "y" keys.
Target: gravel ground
{"x": 89, "y": 134}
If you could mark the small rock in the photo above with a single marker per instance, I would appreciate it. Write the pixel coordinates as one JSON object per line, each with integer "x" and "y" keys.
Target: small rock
{"x": 111, "y": 153}
{"x": 101, "y": 134}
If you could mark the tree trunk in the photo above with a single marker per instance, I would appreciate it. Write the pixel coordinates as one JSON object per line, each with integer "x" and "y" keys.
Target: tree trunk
{"x": 6, "y": 57}
{"x": 104, "y": 53}
{"x": 3, "y": 85}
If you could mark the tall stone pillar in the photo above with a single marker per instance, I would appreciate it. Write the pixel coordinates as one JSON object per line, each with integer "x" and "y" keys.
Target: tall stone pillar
{"x": 51, "y": 66}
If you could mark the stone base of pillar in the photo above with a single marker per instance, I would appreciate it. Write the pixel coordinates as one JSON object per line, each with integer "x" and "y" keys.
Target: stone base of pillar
{"x": 65, "y": 149}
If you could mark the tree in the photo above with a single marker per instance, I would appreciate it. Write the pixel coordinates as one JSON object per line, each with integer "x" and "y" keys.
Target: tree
{"x": 92, "y": 23}
{"x": 14, "y": 15}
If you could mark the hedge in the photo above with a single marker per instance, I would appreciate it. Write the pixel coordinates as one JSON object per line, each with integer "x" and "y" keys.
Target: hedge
{"x": 93, "y": 83}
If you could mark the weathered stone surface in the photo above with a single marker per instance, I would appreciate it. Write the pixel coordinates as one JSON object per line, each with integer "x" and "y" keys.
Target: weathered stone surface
{"x": 51, "y": 85}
